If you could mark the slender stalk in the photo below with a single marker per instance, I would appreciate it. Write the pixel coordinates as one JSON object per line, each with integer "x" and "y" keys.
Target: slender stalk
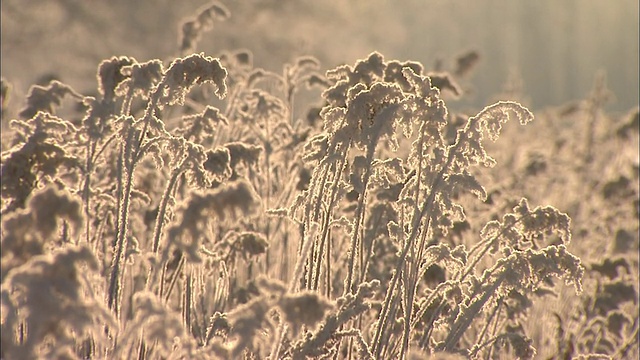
{"x": 91, "y": 148}
{"x": 187, "y": 301}
{"x": 162, "y": 209}
{"x": 333, "y": 196}
{"x": 415, "y": 229}
{"x": 130, "y": 155}
{"x": 123, "y": 220}
{"x": 291, "y": 288}
{"x": 495, "y": 326}
{"x": 356, "y": 239}
{"x": 313, "y": 209}
{"x": 174, "y": 278}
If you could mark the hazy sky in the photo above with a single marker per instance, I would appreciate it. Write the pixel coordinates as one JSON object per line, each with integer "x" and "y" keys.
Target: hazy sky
{"x": 552, "y": 49}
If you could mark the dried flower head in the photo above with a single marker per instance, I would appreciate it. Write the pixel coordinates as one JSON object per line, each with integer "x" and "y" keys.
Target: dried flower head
{"x": 218, "y": 162}
{"x": 193, "y": 28}
{"x": 229, "y": 201}
{"x": 189, "y": 71}
{"x": 252, "y": 243}
{"x": 140, "y": 78}
{"x": 110, "y": 75}
{"x": 52, "y": 297}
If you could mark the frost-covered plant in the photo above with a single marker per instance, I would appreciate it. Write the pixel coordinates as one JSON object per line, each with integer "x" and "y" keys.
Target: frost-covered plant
{"x": 369, "y": 106}
{"x": 37, "y": 157}
{"x": 28, "y": 232}
{"x": 228, "y": 227}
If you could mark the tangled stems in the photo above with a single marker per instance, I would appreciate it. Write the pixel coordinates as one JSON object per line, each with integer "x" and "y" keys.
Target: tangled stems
{"x": 460, "y": 155}
{"x": 359, "y": 217}
{"x": 322, "y": 252}
{"x": 365, "y": 210}
{"x": 426, "y": 208}
{"x": 129, "y": 156}
{"x": 166, "y": 88}
{"x": 122, "y": 224}
{"x": 318, "y": 188}
{"x": 384, "y": 313}
{"x": 463, "y": 321}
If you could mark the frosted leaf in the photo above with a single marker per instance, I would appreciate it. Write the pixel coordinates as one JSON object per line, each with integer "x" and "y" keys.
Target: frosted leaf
{"x": 422, "y": 86}
{"x": 297, "y": 205}
{"x": 189, "y": 158}
{"x": 556, "y": 261}
{"x": 342, "y": 222}
{"x": 46, "y": 99}
{"x": 387, "y": 172}
{"x": 547, "y": 220}
{"x": 335, "y": 124}
{"x": 441, "y": 253}
{"x": 346, "y": 308}
{"x": 98, "y": 120}
{"x": 155, "y": 126}
{"x": 374, "y": 113}
{"x": 492, "y": 117}
{"x": 38, "y": 153}
{"x": 368, "y": 70}
{"x": 460, "y": 253}
{"x": 278, "y": 212}
{"x": 533, "y": 224}
{"x": 525, "y": 226}
{"x": 316, "y": 148}
{"x": 451, "y": 211}
{"x": 365, "y": 72}
{"x": 443, "y": 81}
{"x": 466, "y": 181}
{"x": 491, "y": 230}
{"x": 522, "y": 208}
{"x": 395, "y": 232}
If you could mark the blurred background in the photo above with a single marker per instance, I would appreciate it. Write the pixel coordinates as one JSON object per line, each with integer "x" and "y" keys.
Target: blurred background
{"x": 544, "y": 52}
